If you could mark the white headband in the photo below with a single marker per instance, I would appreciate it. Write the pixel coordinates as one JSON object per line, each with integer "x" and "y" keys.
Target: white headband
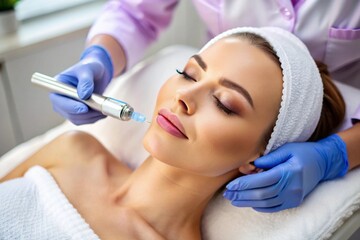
{"x": 302, "y": 93}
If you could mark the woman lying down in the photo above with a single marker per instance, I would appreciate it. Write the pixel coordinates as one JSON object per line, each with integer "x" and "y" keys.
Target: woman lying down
{"x": 247, "y": 92}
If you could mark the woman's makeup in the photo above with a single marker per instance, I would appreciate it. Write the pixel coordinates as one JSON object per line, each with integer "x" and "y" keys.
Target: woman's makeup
{"x": 170, "y": 123}
{"x": 229, "y": 106}
{"x": 223, "y": 81}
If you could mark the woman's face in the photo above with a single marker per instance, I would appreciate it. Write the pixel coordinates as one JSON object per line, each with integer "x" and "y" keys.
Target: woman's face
{"x": 212, "y": 116}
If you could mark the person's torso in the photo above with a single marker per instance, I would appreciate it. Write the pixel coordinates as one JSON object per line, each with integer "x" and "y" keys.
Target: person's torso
{"x": 330, "y": 29}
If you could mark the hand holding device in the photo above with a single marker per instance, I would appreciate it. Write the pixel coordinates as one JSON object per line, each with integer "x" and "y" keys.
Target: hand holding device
{"x": 90, "y": 75}
{"x": 106, "y": 105}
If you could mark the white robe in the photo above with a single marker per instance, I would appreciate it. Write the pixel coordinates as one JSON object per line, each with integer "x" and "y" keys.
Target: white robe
{"x": 34, "y": 207}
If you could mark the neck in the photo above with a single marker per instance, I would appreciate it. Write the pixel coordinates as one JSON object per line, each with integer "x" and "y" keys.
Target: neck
{"x": 171, "y": 200}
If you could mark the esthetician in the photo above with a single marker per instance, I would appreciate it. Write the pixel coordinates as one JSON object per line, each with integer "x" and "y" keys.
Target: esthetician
{"x": 331, "y": 31}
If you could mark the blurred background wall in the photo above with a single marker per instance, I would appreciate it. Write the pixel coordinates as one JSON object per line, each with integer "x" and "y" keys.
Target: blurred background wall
{"x": 49, "y": 42}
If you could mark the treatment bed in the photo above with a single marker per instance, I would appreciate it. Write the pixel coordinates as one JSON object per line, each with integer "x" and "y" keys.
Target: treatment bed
{"x": 331, "y": 211}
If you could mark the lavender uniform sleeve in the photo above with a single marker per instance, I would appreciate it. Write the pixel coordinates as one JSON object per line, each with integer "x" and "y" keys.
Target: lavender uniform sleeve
{"x": 134, "y": 24}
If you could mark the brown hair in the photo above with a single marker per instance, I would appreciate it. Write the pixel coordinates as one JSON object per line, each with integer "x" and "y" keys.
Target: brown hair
{"x": 333, "y": 109}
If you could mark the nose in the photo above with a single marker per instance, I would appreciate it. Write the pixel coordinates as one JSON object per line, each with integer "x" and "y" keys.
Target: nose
{"x": 184, "y": 101}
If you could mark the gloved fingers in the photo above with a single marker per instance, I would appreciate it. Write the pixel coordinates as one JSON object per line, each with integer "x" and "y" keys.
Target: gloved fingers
{"x": 88, "y": 115}
{"x": 258, "y": 193}
{"x": 271, "y": 202}
{"x": 65, "y": 105}
{"x": 279, "y": 201}
{"x": 254, "y": 194}
{"x": 291, "y": 200}
{"x": 68, "y": 79}
{"x": 81, "y": 76}
{"x": 270, "y": 209}
{"x": 80, "y": 120}
{"x": 77, "y": 112}
{"x": 257, "y": 180}
{"x": 86, "y": 84}
{"x": 273, "y": 159}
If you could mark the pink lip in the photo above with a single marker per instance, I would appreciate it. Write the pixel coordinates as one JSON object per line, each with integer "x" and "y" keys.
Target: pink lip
{"x": 170, "y": 123}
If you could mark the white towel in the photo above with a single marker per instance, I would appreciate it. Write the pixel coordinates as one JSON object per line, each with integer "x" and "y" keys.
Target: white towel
{"x": 33, "y": 207}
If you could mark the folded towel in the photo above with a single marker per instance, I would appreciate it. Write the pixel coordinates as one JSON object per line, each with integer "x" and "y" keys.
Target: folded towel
{"x": 33, "y": 207}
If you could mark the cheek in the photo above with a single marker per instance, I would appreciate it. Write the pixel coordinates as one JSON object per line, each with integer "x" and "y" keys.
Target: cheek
{"x": 222, "y": 144}
{"x": 225, "y": 144}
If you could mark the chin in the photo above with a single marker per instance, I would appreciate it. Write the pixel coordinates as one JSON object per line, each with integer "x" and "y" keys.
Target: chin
{"x": 153, "y": 144}
{"x": 146, "y": 141}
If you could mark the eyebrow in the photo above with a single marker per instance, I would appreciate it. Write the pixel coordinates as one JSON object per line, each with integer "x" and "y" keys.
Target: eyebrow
{"x": 226, "y": 82}
{"x": 230, "y": 84}
{"x": 201, "y": 62}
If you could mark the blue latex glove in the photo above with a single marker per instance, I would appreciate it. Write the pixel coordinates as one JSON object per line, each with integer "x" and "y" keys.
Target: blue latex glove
{"x": 294, "y": 171}
{"x": 91, "y": 74}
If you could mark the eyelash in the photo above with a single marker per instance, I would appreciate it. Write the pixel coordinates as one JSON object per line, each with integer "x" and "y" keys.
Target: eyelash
{"x": 185, "y": 75}
{"x": 218, "y": 103}
{"x": 222, "y": 107}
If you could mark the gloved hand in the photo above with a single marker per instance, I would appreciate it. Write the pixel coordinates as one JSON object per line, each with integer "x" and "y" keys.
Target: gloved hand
{"x": 91, "y": 74}
{"x": 294, "y": 171}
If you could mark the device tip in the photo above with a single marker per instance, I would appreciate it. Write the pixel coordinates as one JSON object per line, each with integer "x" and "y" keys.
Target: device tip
{"x": 138, "y": 117}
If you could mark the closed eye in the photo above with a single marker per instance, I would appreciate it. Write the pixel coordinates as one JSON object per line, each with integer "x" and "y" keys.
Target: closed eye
{"x": 218, "y": 103}
{"x": 185, "y": 75}
{"x": 222, "y": 107}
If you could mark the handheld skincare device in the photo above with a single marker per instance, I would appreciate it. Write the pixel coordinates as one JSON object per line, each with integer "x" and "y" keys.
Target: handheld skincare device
{"x": 107, "y": 105}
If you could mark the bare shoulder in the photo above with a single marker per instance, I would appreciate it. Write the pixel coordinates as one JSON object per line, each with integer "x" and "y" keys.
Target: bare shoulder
{"x": 69, "y": 150}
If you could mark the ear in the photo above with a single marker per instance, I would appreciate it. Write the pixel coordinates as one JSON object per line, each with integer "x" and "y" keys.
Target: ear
{"x": 249, "y": 167}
